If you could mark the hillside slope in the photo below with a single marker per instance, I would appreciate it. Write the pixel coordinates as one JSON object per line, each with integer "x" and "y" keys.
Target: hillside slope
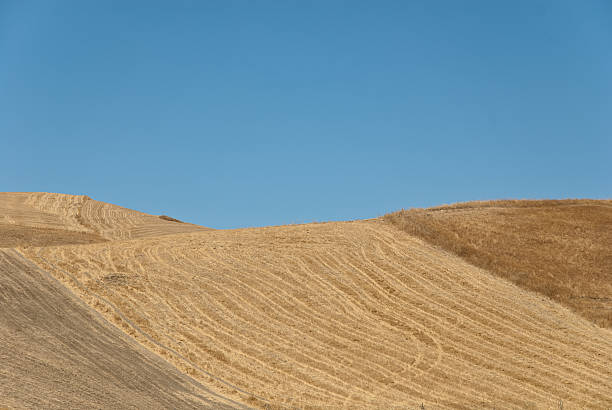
{"x": 84, "y": 219}
{"x": 55, "y": 352}
{"x": 562, "y": 249}
{"x": 354, "y": 314}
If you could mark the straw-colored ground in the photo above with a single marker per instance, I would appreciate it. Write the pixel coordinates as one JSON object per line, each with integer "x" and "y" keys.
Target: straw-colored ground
{"x": 348, "y": 314}
{"x": 79, "y": 214}
{"x": 56, "y": 352}
{"x": 562, "y": 249}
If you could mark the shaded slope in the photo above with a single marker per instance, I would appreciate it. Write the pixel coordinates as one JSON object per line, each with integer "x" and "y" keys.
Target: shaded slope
{"x": 341, "y": 314}
{"x": 79, "y": 213}
{"x": 55, "y": 352}
{"x": 562, "y": 249}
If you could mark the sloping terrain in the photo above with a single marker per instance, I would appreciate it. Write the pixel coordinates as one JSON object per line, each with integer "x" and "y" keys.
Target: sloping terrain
{"x": 340, "y": 314}
{"x": 55, "y": 352}
{"x": 562, "y": 249}
{"x": 79, "y": 213}
{"x": 347, "y": 314}
{"x": 17, "y": 235}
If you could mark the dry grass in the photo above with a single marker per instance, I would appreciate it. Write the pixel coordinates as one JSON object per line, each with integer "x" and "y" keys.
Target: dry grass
{"x": 12, "y": 236}
{"x": 56, "y": 353}
{"x": 80, "y": 213}
{"x": 562, "y": 248}
{"x": 356, "y": 315}
{"x": 333, "y": 315}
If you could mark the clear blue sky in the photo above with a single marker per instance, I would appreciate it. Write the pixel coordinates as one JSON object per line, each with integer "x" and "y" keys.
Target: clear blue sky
{"x": 250, "y": 113}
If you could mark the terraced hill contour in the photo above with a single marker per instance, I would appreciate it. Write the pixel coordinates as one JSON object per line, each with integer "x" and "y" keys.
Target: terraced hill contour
{"x": 348, "y": 314}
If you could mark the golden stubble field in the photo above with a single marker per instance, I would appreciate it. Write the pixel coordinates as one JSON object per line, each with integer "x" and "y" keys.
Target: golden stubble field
{"x": 58, "y": 353}
{"x": 346, "y": 314}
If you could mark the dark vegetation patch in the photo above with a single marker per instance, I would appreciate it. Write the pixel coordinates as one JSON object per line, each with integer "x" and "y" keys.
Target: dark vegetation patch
{"x": 169, "y": 218}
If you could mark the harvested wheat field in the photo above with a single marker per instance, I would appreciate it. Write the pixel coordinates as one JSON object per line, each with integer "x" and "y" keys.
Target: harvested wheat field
{"x": 335, "y": 315}
{"x": 55, "y": 352}
{"x": 79, "y": 214}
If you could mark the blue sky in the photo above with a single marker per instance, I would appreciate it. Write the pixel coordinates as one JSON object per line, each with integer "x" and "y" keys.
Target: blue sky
{"x": 250, "y": 113}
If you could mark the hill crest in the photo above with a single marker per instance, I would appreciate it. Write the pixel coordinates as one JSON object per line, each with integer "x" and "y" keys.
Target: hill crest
{"x": 52, "y": 219}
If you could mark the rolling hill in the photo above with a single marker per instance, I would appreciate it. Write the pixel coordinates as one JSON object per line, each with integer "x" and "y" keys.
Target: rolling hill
{"x": 80, "y": 218}
{"x": 55, "y": 352}
{"x": 562, "y": 249}
{"x": 347, "y": 314}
